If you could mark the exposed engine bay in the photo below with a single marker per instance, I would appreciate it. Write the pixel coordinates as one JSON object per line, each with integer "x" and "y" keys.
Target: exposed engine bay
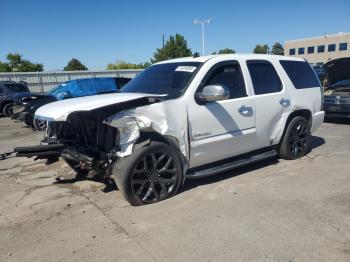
{"x": 85, "y": 138}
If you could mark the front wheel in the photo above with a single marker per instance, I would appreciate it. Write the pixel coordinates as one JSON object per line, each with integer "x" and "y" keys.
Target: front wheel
{"x": 149, "y": 175}
{"x": 295, "y": 142}
{"x": 8, "y": 109}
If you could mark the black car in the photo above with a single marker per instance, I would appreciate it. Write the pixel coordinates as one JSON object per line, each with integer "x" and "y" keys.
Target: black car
{"x": 336, "y": 101}
{"x": 8, "y": 90}
{"x": 27, "y": 104}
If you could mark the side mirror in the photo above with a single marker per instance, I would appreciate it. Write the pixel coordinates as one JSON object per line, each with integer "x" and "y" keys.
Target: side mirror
{"x": 214, "y": 93}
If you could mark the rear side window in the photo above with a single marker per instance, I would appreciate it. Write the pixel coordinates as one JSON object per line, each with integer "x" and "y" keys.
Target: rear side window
{"x": 264, "y": 77}
{"x": 16, "y": 87}
{"x": 300, "y": 73}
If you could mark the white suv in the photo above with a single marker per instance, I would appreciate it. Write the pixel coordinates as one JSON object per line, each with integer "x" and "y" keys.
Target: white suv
{"x": 184, "y": 118}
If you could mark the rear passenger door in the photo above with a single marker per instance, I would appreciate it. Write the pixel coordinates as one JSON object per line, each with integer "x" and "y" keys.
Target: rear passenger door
{"x": 271, "y": 99}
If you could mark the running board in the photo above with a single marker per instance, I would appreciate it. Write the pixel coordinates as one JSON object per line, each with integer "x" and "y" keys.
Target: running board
{"x": 230, "y": 164}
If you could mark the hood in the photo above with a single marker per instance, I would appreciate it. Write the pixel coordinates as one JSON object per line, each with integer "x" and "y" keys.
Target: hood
{"x": 337, "y": 70}
{"x": 59, "y": 111}
{"x": 18, "y": 98}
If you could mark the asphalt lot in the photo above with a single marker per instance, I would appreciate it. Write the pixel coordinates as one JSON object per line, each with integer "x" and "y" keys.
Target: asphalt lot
{"x": 273, "y": 211}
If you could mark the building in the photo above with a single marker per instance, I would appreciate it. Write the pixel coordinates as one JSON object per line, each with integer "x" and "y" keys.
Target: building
{"x": 319, "y": 50}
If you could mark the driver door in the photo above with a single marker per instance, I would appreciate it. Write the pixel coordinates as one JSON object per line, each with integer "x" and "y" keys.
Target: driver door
{"x": 222, "y": 129}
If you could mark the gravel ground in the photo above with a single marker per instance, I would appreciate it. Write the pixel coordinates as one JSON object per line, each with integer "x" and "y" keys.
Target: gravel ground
{"x": 273, "y": 211}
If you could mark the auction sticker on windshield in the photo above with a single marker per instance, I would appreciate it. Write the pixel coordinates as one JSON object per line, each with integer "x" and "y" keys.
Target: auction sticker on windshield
{"x": 189, "y": 69}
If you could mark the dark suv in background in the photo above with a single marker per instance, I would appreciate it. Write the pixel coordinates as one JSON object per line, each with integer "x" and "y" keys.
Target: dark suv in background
{"x": 8, "y": 89}
{"x": 337, "y": 88}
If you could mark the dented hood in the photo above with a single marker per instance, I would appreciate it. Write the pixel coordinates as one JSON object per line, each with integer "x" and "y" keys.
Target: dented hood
{"x": 59, "y": 111}
{"x": 337, "y": 70}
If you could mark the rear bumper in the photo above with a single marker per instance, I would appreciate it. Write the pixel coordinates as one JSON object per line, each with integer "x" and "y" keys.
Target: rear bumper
{"x": 317, "y": 120}
{"x": 332, "y": 108}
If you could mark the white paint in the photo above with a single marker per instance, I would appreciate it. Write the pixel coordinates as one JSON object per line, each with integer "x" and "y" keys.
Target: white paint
{"x": 59, "y": 111}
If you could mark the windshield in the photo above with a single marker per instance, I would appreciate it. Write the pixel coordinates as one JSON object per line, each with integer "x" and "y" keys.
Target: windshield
{"x": 169, "y": 78}
{"x": 56, "y": 89}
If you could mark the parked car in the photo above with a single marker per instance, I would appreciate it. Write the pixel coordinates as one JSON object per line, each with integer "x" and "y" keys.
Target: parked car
{"x": 27, "y": 104}
{"x": 337, "y": 88}
{"x": 186, "y": 118}
{"x": 8, "y": 89}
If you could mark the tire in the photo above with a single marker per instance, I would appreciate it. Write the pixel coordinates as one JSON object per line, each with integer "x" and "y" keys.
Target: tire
{"x": 295, "y": 142}
{"x": 39, "y": 125}
{"x": 149, "y": 175}
{"x": 8, "y": 109}
{"x": 74, "y": 165}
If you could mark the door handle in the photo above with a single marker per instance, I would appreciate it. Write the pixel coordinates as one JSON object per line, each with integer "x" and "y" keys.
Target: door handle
{"x": 246, "y": 110}
{"x": 285, "y": 102}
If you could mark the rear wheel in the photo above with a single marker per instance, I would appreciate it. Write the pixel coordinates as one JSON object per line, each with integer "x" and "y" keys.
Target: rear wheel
{"x": 8, "y": 109}
{"x": 150, "y": 175}
{"x": 295, "y": 142}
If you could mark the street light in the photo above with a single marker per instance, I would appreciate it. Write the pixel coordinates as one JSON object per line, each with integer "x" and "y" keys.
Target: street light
{"x": 203, "y": 22}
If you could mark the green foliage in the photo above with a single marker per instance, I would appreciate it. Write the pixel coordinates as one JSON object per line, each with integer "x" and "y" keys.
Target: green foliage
{"x": 277, "y": 49}
{"x": 124, "y": 65}
{"x": 175, "y": 47}
{"x": 224, "y": 51}
{"x": 261, "y": 49}
{"x": 15, "y": 63}
{"x": 74, "y": 65}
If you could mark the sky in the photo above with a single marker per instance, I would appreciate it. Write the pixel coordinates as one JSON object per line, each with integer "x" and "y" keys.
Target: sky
{"x": 99, "y": 32}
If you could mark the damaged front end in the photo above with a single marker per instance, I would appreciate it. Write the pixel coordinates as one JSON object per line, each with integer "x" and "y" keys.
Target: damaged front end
{"x": 91, "y": 141}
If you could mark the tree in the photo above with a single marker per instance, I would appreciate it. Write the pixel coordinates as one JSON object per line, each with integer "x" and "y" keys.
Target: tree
{"x": 120, "y": 64}
{"x": 175, "y": 47}
{"x": 224, "y": 51}
{"x": 74, "y": 65}
{"x": 261, "y": 49}
{"x": 277, "y": 49}
{"x": 15, "y": 62}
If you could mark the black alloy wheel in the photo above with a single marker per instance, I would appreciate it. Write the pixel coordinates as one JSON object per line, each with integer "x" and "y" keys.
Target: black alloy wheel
{"x": 150, "y": 174}
{"x": 295, "y": 143}
{"x": 154, "y": 177}
{"x": 298, "y": 139}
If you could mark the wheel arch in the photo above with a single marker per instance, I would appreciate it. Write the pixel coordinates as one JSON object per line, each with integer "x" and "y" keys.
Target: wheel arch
{"x": 4, "y": 103}
{"x": 306, "y": 113}
{"x": 147, "y": 136}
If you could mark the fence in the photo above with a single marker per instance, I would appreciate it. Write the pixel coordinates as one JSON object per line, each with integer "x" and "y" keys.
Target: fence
{"x": 43, "y": 81}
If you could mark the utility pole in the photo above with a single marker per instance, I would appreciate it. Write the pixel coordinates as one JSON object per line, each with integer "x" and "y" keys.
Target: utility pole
{"x": 202, "y": 23}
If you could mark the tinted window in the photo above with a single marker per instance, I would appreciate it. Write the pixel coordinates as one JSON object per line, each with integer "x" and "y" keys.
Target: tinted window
{"x": 343, "y": 46}
{"x": 310, "y": 49}
{"x": 1, "y": 90}
{"x": 320, "y": 49}
{"x": 16, "y": 87}
{"x": 264, "y": 77}
{"x": 292, "y": 51}
{"x": 230, "y": 76}
{"x": 168, "y": 78}
{"x": 301, "y": 50}
{"x": 300, "y": 73}
{"x": 331, "y": 48}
